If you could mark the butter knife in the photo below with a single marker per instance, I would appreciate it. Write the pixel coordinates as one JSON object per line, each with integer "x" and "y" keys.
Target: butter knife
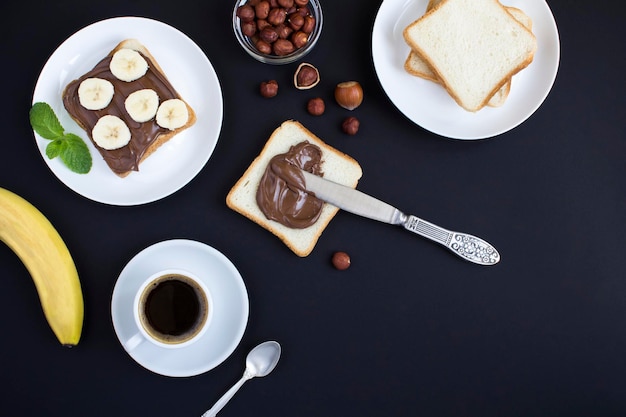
{"x": 468, "y": 247}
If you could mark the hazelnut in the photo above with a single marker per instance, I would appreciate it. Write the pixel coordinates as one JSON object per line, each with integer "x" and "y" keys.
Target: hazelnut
{"x": 262, "y": 24}
{"x": 309, "y": 24}
{"x": 245, "y": 13}
{"x": 262, "y": 9}
{"x": 349, "y": 94}
{"x": 302, "y": 11}
{"x": 316, "y": 106}
{"x": 277, "y": 16}
{"x": 306, "y": 76}
{"x": 299, "y": 39}
{"x": 283, "y": 47}
{"x": 284, "y": 31}
{"x": 301, "y": 3}
{"x": 248, "y": 28}
{"x": 350, "y": 125}
{"x": 263, "y": 47}
{"x": 341, "y": 260}
{"x": 285, "y": 3}
{"x": 296, "y": 21}
{"x": 268, "y": 34}
{"x": 269, "y": 88}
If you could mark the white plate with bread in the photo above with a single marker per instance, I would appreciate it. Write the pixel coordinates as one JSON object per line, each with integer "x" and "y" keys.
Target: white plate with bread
{"x": 431, "y": 96}
{"x": 186, "y": 67}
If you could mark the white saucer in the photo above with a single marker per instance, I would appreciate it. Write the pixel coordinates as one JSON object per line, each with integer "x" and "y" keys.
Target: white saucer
{"x": 230, "y": 303}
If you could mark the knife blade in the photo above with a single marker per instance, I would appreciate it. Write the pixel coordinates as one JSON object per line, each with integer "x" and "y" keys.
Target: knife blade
{"x": 468, "y": 247}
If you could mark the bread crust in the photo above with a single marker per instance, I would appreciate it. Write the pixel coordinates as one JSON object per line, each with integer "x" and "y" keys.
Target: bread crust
{"x": 336, "y": 166}
{"x": 162, "y": 138}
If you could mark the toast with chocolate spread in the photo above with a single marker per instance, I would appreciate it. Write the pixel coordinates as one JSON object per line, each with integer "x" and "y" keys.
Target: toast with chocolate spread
{"x": 127, "y": 106}
{"x": 270, "y": 192}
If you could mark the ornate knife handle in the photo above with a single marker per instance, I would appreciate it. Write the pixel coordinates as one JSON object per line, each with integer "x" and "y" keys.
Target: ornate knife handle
{"x": 466, "y": 246}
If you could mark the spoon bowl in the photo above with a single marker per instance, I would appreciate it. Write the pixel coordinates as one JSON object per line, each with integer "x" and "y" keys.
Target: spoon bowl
{"x": 263, "y": 358}
{"x": 260, "y": 361}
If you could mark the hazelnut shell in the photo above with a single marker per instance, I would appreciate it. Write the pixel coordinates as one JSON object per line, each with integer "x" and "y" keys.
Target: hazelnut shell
{"x": 307, "y": 86}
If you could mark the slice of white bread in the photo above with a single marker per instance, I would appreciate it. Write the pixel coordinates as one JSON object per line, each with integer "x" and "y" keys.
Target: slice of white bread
{"x": 473, "y": 46}
{"x": 85, "y": 118}
{"x": 417, "y": 66}
{"x": 414, "y": 63}
{"x": 336, "y": 166}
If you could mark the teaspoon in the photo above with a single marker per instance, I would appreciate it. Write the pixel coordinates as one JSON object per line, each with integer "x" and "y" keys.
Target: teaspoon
{"x": 260, "y": 361}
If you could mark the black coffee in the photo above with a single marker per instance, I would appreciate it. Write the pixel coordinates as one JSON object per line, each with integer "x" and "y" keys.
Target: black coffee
{"x": 174, "y": 308}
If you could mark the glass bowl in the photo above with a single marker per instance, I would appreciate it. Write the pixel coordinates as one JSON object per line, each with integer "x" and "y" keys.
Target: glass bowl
{"x": 247, "y": 43}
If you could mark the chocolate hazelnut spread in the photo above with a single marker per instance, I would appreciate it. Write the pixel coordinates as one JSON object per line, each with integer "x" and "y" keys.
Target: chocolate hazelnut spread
{"x": 143, "y": 135}
{"x": 281, "y": 195}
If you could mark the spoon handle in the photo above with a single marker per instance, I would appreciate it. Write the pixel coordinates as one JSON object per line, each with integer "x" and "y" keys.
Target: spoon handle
{"x": 212, "y": 412}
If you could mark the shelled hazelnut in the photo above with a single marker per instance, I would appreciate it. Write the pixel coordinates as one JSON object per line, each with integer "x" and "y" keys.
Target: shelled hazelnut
{"x": 350, "y": 125}
{"x": 296, "y": 21}
{"x": 263, "y": 47}
{"x": 316, "y": 106}
{"x": 299, "y": 39}
{"x": 269, "y": 89}
{"x": 341, "y": 260}
{"x": 309, "y": 24}
{"x": 248, "y": 28}
{"x": 262, "y": 9}
{"x": 269, "y": 34}
{"x": 282, "y": 47}
{"x": 276, "y": 27}
{"x": 246, "y": 13}
{"x": 276, "y": 16}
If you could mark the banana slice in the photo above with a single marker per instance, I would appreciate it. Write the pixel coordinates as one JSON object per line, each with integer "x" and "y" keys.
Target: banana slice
{"x": 142, "y": 105}
{"x": 110, "y": 132}
{"x": 95, "y": 93}
{"x": 172, "y": 114}
{"x": 128, "y": 65}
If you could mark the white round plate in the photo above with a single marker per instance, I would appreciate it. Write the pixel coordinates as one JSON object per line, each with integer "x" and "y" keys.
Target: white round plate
{"x": 430, "y": 106}
{"x": 176, "y": 162}
{"x": 230, "y": 306}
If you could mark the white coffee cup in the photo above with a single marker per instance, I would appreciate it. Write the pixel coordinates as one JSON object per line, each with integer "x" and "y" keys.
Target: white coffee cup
{"x": 172, "y": 309}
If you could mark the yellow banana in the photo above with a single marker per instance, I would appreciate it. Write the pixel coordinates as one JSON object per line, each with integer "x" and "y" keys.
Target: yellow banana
{"x": 37, "y": 243}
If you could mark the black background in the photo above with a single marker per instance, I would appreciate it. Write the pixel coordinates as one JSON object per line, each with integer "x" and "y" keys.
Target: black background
{"x": 409, "y": 329}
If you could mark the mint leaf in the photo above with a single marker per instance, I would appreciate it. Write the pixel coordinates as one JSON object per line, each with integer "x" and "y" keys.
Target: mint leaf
{"x": 75, "y": 154}
{"x": 69, "y": 147}
{"x": 54, "y": 148}
{"x": 45, "y": 122}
